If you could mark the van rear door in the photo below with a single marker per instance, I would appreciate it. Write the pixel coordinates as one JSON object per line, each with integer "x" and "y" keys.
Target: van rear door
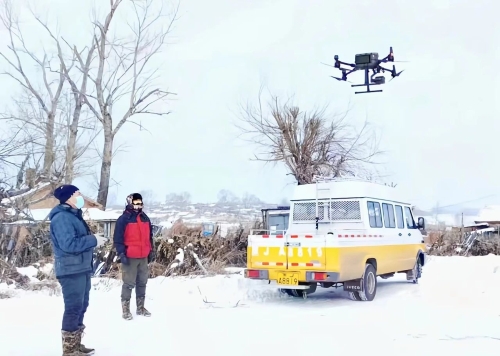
{"x": 267, "y": 251}
{"x": 306, "y": 252}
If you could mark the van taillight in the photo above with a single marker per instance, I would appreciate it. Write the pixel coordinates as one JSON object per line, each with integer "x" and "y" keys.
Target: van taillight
{"x": 319, "y": 276}
{"x": 252, "y": 273}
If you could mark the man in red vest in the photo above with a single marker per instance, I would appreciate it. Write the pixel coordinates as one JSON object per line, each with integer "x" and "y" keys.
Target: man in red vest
{"x": 133, "y": 240}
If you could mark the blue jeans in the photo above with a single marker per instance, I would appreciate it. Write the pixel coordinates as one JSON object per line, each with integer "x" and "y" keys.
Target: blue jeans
{"x": 75, "y": 290}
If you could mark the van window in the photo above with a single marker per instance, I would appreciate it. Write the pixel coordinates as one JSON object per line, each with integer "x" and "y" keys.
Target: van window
{"x": 374, "y": 214}
{"x": 304, "y": 211}
{"x": 388, "y": 211}
{"x": 410, "y": 224}
{"x": 278, "y": 222}
{"x": 345, "y": 210}
{"x": 399, "y": 217}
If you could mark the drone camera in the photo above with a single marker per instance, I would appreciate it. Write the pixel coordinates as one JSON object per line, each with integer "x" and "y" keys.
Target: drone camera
{"x": 379, "y": 80}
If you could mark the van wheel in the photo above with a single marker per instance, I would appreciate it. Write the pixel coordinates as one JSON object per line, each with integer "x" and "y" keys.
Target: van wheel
{"x": 369, "y": 281}
{"x": 417, "y": 270}
{"x": 355, "y": 296}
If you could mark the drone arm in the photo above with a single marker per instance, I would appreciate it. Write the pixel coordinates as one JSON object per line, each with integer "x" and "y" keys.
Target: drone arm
{"x": 386, "y": 69}
{"x": 346, "y": 64}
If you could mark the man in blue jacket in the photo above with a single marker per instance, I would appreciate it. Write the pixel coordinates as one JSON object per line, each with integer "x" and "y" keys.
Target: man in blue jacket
{"x": 73, "y": 245}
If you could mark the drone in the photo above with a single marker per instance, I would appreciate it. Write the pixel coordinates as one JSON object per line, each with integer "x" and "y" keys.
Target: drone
{"x": 367, "y": 62}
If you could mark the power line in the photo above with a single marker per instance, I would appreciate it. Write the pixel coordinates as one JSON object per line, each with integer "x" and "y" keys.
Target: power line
{"x": 468, "y": 201}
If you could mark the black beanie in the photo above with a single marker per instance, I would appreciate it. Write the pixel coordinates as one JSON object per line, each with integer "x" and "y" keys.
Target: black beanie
{"x": 132, "y": 197}
{"x": 64, "y": 192}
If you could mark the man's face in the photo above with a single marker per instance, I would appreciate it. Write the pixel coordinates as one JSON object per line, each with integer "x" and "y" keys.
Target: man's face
{"x": 72, "y": 200}
{"x": 137, "y": 204}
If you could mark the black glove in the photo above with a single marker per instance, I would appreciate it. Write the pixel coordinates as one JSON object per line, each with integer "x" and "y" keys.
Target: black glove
{"x": 151, "y": 256}
{"x": 123, "y": 259}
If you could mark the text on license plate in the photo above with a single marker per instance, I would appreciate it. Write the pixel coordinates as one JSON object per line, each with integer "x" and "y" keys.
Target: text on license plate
{"x": 288, "y": 278}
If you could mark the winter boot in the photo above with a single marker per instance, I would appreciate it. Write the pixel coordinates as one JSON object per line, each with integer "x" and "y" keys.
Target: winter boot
{"x": 126, "y": 314}
{"x": 71, "y": 343}
{"x": 86, "y": 350}
{"x": 140, "y": 307}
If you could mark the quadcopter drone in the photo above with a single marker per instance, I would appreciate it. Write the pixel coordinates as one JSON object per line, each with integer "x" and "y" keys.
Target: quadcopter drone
{"x": 367, "y": 62}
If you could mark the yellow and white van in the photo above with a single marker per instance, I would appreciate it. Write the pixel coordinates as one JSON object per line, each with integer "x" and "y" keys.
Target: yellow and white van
{"x": 341, "y": 232}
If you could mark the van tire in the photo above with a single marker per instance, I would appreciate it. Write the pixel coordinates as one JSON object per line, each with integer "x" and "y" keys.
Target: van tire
{"x": 369, "y": 281}
{"x": 417, "y": 270}
{"x": 355, "y": 296}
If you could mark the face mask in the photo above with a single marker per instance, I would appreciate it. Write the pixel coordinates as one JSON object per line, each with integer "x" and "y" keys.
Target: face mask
{"x": 79, "y": 202}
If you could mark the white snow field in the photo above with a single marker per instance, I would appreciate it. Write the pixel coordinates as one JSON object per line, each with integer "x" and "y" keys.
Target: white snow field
{"x": 453, "y": 310}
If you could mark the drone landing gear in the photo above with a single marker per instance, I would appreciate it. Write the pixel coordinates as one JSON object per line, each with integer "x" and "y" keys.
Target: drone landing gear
{"x": 367, "y": 89}
{"x": 374, "y": 81}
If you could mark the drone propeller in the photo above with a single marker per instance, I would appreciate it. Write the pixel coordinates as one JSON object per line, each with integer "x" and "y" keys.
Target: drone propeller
{"x": 329, "y": 65}
{"x": 391, "y": 55}
{"x": 340, "y": 79}
{"x": 395, "y": 74}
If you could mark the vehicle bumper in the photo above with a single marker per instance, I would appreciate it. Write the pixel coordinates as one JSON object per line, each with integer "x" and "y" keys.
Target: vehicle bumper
{"x": 302, "y": 276}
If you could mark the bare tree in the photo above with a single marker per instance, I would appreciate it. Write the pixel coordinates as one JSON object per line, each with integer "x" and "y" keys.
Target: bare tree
{"x": 308, "y": 143}
{"x": 124, "y": 71}
{"x": 47, "y": 96}
{"x": 11, "y": 148}
{"x": 226, "y": 197}
{"x": 249, "y": 200}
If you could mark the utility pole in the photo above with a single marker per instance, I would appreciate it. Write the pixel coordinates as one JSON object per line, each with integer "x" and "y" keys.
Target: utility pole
{"x": 462, "y": 229}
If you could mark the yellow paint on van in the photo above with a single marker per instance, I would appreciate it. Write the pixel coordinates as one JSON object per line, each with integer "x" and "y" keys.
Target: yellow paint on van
{"x": 349, "y": 261}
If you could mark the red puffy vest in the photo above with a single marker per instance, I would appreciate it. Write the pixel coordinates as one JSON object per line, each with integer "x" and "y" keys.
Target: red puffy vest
{"x": 137, "y": 238}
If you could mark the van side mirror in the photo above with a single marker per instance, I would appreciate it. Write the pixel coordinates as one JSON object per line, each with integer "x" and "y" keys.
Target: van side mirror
{"x": 421, "y": 223}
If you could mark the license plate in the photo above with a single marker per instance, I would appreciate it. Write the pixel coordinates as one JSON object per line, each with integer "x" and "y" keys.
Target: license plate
{"x": 288, "y": 279}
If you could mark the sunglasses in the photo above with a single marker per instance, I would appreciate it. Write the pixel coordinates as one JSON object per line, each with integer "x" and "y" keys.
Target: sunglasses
{"x": 139, "y": 204}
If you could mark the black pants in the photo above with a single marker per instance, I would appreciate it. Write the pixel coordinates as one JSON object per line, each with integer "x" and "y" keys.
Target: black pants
{"x": 75, "y": 290}
{"x": 135, "y": 275}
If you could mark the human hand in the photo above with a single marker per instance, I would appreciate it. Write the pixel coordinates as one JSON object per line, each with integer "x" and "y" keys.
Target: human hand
{"x": 151, "y": 256}
{"x": 101, "y": 240}
{"x": 123, "y": 259}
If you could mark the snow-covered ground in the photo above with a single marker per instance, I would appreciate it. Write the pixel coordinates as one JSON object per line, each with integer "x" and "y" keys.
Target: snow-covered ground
{"x": 454, "y": 309}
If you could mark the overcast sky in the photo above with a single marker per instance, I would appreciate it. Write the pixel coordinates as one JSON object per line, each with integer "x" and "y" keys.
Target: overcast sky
{"x": 439, "y": 121}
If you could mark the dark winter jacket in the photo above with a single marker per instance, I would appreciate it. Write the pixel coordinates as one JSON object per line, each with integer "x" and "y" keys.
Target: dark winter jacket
{"x": 133, "y": 235}
{"x": 72, "y": 241}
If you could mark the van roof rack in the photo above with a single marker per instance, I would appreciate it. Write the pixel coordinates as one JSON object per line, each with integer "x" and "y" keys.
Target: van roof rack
{"x": 323, "y": 179}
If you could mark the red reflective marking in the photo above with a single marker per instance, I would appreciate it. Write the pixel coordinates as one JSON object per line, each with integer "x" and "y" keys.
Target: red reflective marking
{"x": 279, "y": 263}
{"x": 279, "y": 236}
{"x": 309, "y": 264}
{"x": 295, "y": 264}
{"x": 294, "y": 236}
{"x": 265, "y": 236}
{"x": 309, "y": 236}
{"x": 265, "y": 263}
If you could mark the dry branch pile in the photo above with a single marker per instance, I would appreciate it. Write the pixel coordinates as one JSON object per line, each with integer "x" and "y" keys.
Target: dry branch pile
{"x": 184, "y": 251}
{"x": 450, "y": 243}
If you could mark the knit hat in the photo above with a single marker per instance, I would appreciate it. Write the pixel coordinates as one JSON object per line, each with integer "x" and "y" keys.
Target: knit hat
{"x": 64, "y": 192}
{"x": 132, "y": 197}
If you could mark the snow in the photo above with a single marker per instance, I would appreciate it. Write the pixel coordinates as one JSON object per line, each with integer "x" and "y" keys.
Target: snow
{"x": 453, "y": 310}
{"x": 9, "y": 200}
{"x": 88, "y": 214}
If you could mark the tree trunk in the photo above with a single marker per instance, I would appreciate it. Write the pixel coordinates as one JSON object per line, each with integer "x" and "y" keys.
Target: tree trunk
{"x": 48, "y": 158}
{"x": 71, "y": 145}
{"x": 107, "y": 156}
